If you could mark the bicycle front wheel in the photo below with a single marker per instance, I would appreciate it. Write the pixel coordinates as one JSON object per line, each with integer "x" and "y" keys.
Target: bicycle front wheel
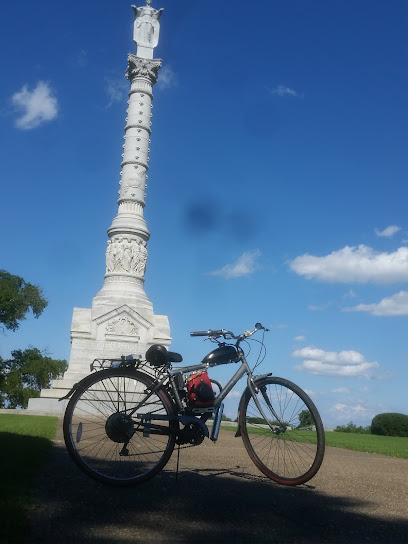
{"x": 287, "y": 446}
{"x": 108, "y": 443}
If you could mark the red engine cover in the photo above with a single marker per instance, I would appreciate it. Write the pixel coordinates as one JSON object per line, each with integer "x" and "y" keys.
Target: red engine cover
{"x": 199, "y": 390}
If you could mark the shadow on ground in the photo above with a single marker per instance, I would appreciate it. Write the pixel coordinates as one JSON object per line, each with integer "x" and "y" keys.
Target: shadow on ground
{"x": 214, "y": 505}
{"x": 18, "y": 477}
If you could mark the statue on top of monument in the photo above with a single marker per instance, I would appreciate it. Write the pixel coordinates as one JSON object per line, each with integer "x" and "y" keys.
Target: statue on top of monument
{"x": 146, "y": 28}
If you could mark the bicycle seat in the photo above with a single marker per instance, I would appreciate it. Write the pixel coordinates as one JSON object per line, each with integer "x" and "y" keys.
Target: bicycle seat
{"x": 158, "y": 355}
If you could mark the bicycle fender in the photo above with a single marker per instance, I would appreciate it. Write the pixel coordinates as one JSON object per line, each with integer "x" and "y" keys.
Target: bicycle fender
{"x": 85, "y": 378}
{"x": 262, "y": 376}
{"x": 255, "y": 380}
{"x": 71, "y": 392}
{"x": 74, "y": 388}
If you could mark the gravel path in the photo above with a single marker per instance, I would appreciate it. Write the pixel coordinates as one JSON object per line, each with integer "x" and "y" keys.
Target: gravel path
{"x": 220, "y": 497}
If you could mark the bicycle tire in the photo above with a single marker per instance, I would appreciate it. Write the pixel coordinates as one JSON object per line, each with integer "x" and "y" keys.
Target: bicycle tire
{"x": 289, "y": 454}
{"x": 96, "y": 424}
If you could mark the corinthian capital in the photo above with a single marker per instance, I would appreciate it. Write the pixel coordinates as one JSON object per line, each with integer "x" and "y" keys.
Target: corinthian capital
{"x": 143, "y": 68}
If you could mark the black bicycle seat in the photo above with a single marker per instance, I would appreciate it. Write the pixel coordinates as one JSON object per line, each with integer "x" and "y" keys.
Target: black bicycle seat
{"x": 157, "y": 355}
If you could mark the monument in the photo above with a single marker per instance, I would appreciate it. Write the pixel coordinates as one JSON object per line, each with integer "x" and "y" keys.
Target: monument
{"x": 121, "y": 320}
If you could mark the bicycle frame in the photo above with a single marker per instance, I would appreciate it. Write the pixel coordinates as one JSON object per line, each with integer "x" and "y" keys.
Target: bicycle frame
{"x": 171, "y": 374}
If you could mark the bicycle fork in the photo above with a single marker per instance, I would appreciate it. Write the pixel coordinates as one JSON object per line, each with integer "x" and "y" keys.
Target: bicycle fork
{"x": 254, "y": 390}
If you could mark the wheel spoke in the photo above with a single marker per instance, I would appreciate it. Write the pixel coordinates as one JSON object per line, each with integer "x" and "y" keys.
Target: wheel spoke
{"x": 100, "y": 435}
{"x": 283, "y": 450}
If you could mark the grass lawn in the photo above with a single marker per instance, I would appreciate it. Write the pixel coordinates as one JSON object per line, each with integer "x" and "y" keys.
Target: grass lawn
{"x": 394, "y": 446}
{"x": 24, "y": 443}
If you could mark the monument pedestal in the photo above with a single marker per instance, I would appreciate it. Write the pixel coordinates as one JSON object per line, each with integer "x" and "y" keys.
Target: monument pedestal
{"x": 103, "y": 332}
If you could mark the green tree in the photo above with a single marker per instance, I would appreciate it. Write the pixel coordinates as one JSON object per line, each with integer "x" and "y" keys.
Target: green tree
{"x": 25, "y": 374}
{"x": 390, "y": 424}
{"x": 305, "y": 419}
{"x": 16, "y": 298}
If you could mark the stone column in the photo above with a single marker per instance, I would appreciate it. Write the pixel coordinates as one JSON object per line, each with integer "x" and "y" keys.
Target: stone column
{"x": 121, "y": 320}
{"x": 126, "y": 254}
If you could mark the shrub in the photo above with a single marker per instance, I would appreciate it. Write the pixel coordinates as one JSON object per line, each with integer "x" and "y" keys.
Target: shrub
{"x": 352, "y": 428}
{"x": 390, "y": 424}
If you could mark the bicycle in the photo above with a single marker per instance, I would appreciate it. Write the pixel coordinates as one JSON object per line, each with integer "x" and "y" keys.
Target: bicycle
{"x": 123, "y": 422}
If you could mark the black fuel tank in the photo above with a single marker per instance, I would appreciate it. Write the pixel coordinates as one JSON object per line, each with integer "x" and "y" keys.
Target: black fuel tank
{"x": 221, "y": 356}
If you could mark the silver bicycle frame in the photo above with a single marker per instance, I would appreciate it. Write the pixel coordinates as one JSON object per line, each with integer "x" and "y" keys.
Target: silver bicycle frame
{"x": 243, "y": 369}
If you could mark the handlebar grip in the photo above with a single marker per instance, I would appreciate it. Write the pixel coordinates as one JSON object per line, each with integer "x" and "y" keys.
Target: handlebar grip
{"x": 219, "y": 332}
{"x": 210, "y": 332}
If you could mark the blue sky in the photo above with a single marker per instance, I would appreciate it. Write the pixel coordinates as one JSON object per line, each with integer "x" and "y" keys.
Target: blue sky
{"x": 277, "y": 183}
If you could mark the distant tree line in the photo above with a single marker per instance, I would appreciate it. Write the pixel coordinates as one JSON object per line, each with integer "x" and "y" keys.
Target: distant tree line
{"x": 352, "y": 428}
{"x": 388, "y": 424}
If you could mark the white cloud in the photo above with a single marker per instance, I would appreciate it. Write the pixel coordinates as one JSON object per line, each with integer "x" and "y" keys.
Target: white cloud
{"x": 300, "y": 338}
{"x": 391, "y": 306}
{"x": 116, "y": 89}
{"x": 244, "y": 266}
{"x": 167, "y": 78}
{"x": 344, "y": 390}
{"x": 281, "y": 90}
{"x": 388, "y": 232}
{"x": 355, "y": 264}
{"x": 37, "y": 106}
{"x": 332, "y": 363}
{"x": 350, "y": 412}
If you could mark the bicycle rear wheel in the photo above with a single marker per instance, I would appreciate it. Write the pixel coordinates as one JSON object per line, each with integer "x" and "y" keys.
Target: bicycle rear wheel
{"x": 105, "y": 441}
{"x": 289, "y": 446}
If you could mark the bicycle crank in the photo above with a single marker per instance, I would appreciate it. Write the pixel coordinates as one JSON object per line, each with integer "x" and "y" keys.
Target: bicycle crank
{"x": 190, "y": 434}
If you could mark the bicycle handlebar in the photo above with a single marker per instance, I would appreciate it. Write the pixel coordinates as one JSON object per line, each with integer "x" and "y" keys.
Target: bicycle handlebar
{"x": 222, "y": 332}
{"x": 210, "y": 332}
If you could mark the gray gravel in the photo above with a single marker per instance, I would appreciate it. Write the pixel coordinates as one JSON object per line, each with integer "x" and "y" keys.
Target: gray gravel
{"x": 221, "y": 497}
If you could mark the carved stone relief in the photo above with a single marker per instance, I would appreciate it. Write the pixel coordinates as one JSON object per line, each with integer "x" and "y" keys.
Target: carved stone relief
{"x": 122, "y": 327}
{"x": 126, "y": 255}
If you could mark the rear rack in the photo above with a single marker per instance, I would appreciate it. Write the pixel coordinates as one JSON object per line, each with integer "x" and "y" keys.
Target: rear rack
{"x": 128, "y": 361}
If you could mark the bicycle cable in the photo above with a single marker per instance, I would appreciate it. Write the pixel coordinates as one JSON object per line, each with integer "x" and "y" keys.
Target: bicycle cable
{"x": 262, "y": 352}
